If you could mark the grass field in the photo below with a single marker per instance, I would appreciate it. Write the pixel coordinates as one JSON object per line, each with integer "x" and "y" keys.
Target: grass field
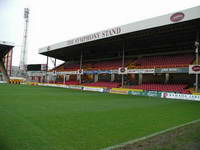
{"x": 44, "y": 118}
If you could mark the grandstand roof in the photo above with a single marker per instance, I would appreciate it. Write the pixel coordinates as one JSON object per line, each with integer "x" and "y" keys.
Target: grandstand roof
{"x": 160, "y": 34}
{"x": 5, "y": 47}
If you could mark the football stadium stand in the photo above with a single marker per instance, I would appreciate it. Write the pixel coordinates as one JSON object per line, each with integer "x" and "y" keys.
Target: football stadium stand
{"x": 153, "y": 54}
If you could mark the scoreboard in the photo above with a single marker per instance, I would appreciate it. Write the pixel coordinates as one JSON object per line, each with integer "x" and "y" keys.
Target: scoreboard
{"x": 36, "y": 67}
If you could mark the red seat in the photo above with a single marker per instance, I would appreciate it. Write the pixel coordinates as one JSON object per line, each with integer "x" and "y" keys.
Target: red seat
{"x": 72, "y": 82}
{"x": 167, "y": 61}
{"x": 104, "y": 84}
{"x": 180, "y": 88}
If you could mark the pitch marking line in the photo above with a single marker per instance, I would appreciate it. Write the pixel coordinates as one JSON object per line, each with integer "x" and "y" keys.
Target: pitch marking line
{"x": 149, "y": 136}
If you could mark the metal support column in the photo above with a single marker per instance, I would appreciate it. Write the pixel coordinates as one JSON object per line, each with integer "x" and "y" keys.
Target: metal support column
{"x": 64, "y": 78}
{"x": 123, "y": 49}
{"x": 81, "y": 61}
{"x": 166, "y": 78}
{"x": 197, "y": 58}
{"x": 55, "y": 71}
{"x": 46, "y": 75}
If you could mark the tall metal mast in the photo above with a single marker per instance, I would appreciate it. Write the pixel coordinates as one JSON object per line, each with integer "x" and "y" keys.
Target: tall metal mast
{"x": 23, "y": 57}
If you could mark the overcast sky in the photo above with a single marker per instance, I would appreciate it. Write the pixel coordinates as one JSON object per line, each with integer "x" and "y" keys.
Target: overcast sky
{"x": 53, "y": 21}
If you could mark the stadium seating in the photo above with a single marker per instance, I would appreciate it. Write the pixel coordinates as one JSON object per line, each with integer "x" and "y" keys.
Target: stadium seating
{"x": 107, "y": 65}
{"x": 71, "y": 67}
{"x": 180, "y": 88}
{"x": 166, "y": 61}
{"x": 163, "y": 61}
{"x": 104, "y": 84}
{"x": 111, "y": 65}
{"x": 103, "y": 65}
{"x": 72, "y": 82}
{"x": 176, "y": 83}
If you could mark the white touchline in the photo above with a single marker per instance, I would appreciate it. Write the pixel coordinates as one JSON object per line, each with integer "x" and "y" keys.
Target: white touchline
{"x": 149, "y": 136}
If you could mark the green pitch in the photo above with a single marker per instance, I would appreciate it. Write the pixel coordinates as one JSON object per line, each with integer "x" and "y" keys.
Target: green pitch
{"x": 44, "y": 118}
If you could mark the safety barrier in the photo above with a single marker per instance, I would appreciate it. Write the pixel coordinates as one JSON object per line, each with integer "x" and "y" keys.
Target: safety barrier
{"x": 136, "y": 92}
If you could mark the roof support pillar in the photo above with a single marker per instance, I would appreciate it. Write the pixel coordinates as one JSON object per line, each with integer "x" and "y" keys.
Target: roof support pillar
{"x": 47, "y": 66}
{"x": 197, "y": 58}
{"x": 64, "y": 79}
{"x": 81, "y": 62}
{"x": 112, "y": 78}
{"x": 55, "y": 71}
{"x": 123, "y": 55}
{"x": 96, "y": 77}
{"x": 140, "y": 76}
{"x": 166, "y": 78}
